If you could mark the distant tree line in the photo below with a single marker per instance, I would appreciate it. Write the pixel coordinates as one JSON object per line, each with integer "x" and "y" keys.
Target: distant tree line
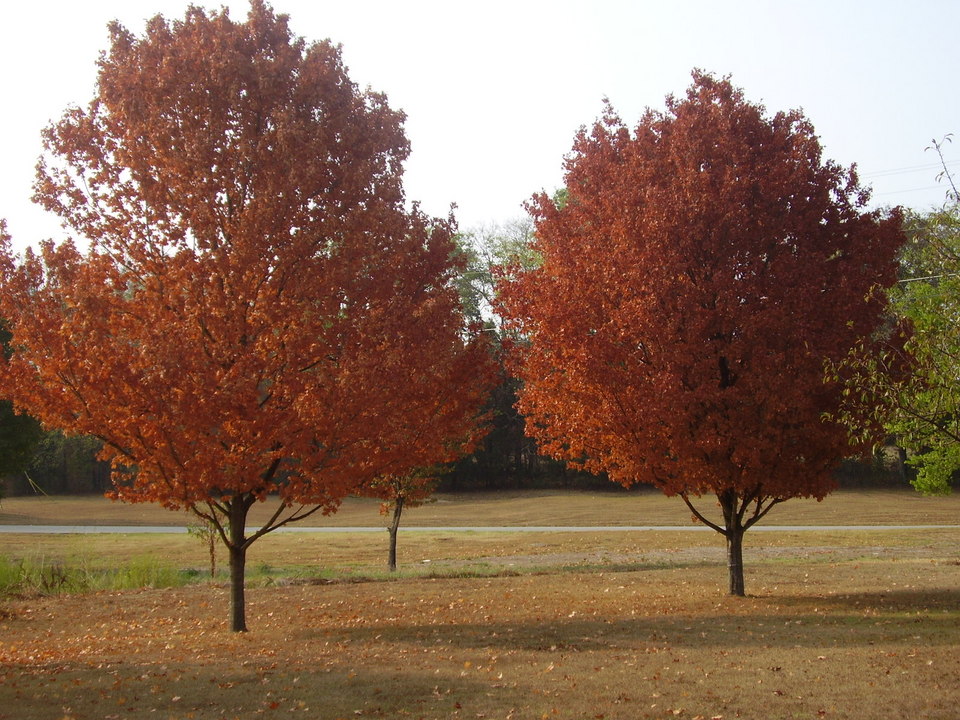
{"x": 61, "y": 464}
{"x": 505, "y": 460}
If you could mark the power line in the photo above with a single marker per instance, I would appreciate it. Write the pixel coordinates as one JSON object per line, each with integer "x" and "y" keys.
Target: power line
{"x": 909, "y": 169}
{"x": 909, "y": 190}
{"x": 928, "y": 277}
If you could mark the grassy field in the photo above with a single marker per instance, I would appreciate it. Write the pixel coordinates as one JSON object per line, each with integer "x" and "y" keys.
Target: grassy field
{"x": 838, "y": 624}
{"x": 530, "y": 508}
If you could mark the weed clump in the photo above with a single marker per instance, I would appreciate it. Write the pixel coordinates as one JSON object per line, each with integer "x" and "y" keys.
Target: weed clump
{"x": 32, "y": 576}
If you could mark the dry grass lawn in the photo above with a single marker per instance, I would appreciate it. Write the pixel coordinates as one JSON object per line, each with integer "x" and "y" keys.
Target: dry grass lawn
{"x": 864, "y": 639}
{"x": 838, "y": 624}
{"x": 522, "y": 508}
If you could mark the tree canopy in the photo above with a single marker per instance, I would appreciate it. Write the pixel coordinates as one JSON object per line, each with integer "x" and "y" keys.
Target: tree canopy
{"x": 699, "y": 271}
{"x": 257, "y": 314}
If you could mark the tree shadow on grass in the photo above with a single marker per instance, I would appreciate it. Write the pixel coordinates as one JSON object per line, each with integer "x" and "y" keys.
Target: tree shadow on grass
{"x": 894, "y": 600}
{"x": 849, "y": 620}
{"x": 213, "y": 692}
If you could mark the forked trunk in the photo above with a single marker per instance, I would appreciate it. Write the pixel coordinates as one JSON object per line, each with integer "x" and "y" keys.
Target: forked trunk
{"x": 734, "y": 508}
{"x": 733, "y": 531}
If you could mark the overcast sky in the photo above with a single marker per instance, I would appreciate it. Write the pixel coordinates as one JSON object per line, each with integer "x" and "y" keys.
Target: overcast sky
{"x": 495, "y": 91}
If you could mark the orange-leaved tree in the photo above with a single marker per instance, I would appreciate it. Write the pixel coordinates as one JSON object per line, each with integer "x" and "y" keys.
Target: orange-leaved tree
{"x": 256, "y": 313}
{"x": 454, "y": 390}
{"x": 696, "y": 274}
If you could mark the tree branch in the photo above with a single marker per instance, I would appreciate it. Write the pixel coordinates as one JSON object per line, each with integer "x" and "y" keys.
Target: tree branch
{"x": 701, "y": 517}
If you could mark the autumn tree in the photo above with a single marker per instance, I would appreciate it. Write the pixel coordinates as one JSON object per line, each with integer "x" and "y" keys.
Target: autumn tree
{"x": 256, "y": 306}
{"x": 450, "y": 393}
{"x": 694, "y": 280}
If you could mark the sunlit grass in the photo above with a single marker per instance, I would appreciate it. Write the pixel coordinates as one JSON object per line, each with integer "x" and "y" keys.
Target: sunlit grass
{"x": 567, "y": 625}
{"x": 38, "y": 575}
{"x": 850, "y": 639}
{"x": 534, "y": 507}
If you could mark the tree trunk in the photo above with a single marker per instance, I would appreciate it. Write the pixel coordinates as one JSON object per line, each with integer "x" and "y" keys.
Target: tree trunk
{"x": 238, "y": 560}
{"x": 733, "y": 531}
{"x": 212, "y": 549}
{"x": 735, "y": 559}
{"x": 392, "y": 529}
{"x": 238, "y": 611}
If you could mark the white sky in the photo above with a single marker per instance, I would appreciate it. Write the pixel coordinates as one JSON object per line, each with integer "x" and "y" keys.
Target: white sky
{"x": 494, "y": 91}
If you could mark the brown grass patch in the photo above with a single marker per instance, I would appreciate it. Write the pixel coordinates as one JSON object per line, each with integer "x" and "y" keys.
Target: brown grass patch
{"x": 523, "y": 508}
{"x": 838, "y": 625}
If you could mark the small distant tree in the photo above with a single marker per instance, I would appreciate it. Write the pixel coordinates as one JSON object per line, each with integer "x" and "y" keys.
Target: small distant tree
{"x": 400, "y": 492}
{"x": 258, "y": 316}
{"x": 696, "y": 275}
{"x": 206, "y": 533}
{"x": 450, "y": 396}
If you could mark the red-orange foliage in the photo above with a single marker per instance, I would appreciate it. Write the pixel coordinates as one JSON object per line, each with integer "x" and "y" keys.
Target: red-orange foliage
{"x": 695, "y": 278}
{"x": 257, "y": 314}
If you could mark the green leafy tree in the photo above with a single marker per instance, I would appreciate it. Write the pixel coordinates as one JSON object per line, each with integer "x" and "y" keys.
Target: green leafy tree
{"x": 909, "y": 386}
{"x": 486, "y": 251}
{"x": 64, "y": 463}
{"x": 19, "y": 435}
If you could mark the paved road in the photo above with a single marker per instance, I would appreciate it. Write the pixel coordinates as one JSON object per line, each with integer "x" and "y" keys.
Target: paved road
{"x": 157, "y": 529}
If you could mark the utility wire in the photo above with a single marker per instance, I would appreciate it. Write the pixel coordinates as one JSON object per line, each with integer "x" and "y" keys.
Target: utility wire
{"x": 908, "y": 190}
{"x": 909, "y": 169}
